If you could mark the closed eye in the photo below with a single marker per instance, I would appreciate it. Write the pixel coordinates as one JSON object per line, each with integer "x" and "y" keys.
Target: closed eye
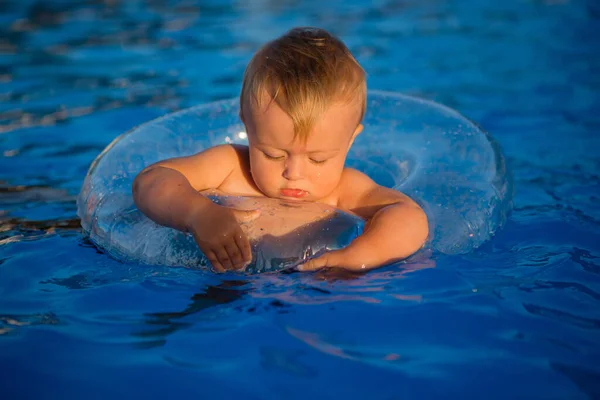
{"x": 312, "y": 160}
{"x": 270, "y": 157}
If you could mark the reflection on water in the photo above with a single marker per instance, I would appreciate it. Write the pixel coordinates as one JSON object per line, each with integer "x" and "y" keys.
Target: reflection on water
{"x": 11, "y": 195}
{"x": 13, "y": 229}
{"x": 163, "y": 324}
{"x": 315, "y": 341}
{"x": 587, "y": 380}
{"x": 77, "y": 281}
{"x": 562, "y": 316}
{"x": 64, "y": 41}
{"x": 283, "y": 360}
{"x": 331, "y": 286}
{"x": 11, "y": 323}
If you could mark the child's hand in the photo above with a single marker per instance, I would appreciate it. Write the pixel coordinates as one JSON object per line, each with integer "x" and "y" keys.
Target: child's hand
{"x": 219, "y": 234}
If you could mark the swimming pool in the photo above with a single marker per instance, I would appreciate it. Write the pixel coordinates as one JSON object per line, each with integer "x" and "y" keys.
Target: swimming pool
{"x": 517, "y": 318}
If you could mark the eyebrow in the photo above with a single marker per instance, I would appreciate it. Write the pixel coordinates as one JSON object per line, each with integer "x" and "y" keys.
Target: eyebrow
{"x": 323, "y": 151}
{"x": 309, "y": 152}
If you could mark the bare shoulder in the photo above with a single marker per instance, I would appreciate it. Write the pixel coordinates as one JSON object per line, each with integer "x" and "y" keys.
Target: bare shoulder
{"x": 361, "y": 194}
{"x": 353, "y": 185}
{"x": 210, "y": 167}
{"x": 353, "y": 175}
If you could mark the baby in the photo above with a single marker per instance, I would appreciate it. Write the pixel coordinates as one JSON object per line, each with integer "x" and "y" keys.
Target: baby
{"x": 302, "y": 102}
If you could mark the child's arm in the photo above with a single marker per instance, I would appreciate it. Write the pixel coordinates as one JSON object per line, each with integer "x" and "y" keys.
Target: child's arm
{"x": 396, "y": 226}
{"x": 167, "y": 192}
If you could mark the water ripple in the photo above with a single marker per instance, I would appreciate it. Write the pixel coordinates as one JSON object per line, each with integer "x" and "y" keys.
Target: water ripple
{"x": 563, "y": 316}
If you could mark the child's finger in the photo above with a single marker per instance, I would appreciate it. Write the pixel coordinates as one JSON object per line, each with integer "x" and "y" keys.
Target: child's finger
{"x": 314, "y": 264}
{"x": 329, "y": 259}
{"x": 244, "y": 246}
{"x": 235, "y": 254}
{"x": 223, "y": 258}
{"x": 210, "y": 256}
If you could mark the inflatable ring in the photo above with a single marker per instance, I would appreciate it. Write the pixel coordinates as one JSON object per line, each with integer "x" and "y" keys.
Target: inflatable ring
{"x": 431, "y": 153}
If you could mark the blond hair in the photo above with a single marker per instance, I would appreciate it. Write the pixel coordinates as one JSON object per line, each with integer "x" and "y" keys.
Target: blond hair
{"x": 304, "y": 71}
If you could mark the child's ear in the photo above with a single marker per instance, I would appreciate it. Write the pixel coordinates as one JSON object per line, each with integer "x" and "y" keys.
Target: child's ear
{"x": 357, "y": 131}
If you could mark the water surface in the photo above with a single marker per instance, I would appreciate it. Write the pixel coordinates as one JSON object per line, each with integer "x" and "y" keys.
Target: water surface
{"x": 517, "y": 318}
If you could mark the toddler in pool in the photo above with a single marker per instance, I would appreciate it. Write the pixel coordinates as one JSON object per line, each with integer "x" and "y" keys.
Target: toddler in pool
{"x": 302, "y": 102}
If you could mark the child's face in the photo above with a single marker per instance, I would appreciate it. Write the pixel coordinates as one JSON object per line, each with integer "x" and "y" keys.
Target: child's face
{"x": 289, "y": 169}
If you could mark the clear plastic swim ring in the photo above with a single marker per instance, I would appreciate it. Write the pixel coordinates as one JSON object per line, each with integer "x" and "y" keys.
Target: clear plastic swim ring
{"x": 431, "y": 153}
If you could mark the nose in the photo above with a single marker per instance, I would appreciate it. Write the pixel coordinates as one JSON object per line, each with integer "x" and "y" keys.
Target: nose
{"x": 293, "y": 170}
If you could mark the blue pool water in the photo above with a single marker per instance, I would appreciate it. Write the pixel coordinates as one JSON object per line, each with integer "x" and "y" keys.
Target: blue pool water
{"x": 518, "y": 318}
